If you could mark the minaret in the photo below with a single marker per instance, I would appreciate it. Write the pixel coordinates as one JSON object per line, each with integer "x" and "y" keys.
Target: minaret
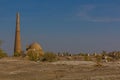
{"x": 17, "y": 44}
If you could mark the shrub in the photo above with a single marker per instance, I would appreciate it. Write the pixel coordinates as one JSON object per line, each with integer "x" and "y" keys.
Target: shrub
{"x": 49, "y": 56}
{"x": 82, "y": 54}
{"x": 87, "y": 58}
{"x": 33, "y": 55}
{"x": 17, "y": 54}
{"x": 115, "y": 55}
{"x": 2, "y": 54}
{"x": 98, "y": 61}
{"x": 98, "y": 58}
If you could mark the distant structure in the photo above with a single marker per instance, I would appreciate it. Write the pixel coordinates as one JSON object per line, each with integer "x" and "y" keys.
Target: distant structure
{"x": 17, "y": 44}
{"x": 35, "y": 47}
{"x": 32, "y": 48}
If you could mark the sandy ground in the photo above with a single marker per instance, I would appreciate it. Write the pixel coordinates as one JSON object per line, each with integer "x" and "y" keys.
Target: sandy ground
{"x": 14, "y": 69}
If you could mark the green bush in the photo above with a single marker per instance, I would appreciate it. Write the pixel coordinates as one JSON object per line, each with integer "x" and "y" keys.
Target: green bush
{"x": 110, "y": 59}
{"x": 87, "y": 58}
{"x": 17, "y": 54}
{"x": 33, "y": 55}
{"x": 98, "y": 61}
{"x": 98, "y": 58}
{"x": 115, "y": 55}
{"x": 2, "y": 54}
{"x": 82, "y": 54}
{"x": 49, "y": 56}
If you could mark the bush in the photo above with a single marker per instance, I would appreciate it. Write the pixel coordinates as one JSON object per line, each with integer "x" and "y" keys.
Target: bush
{"x": 98, "y": 58}
{"x": 17, "y": 54}
{"x": 87, "y": 58}
{"x": 2, "y": 54}
{"x": 33, "y": 55}
{"x": 82, "y": 54}
{"x": 115, "y": 55}
{"x": 49, "y": 56}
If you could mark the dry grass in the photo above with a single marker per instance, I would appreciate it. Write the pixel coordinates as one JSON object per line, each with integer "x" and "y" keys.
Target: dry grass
{"x": 17, "y": 69}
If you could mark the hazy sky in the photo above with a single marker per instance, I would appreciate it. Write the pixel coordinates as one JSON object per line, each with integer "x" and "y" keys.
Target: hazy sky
{"x": 62, "y": 25}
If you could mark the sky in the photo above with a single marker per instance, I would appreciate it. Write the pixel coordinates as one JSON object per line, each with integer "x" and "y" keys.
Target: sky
{"x": 62, "y": 25}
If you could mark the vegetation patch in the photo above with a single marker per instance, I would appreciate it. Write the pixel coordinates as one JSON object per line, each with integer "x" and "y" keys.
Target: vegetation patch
{"x": 2, "y": 54}
{"x": 49, "y": 56}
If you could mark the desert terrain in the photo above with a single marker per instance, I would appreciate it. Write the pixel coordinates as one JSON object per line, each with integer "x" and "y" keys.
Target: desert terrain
{"x": 18, "y": 69}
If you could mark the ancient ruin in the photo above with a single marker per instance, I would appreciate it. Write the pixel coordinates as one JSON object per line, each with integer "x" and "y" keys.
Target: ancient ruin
{"x": 35, "y": 47}
{"x": 17, "y": 44}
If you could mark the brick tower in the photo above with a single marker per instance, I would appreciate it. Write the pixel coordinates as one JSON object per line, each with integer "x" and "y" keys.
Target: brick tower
{"x": 17, "y": 44}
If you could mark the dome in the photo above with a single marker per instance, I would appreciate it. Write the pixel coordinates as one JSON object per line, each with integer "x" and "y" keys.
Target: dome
{"x": 35, "y": 46}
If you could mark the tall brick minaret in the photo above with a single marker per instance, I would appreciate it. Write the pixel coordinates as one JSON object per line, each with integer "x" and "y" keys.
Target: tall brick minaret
{"x": 17, "y": 44}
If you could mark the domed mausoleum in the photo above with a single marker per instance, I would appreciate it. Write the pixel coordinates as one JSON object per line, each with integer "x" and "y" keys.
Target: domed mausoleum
{"x": 35, "y": 47}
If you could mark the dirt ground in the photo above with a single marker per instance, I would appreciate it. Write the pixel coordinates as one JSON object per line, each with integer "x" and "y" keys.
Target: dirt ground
{"x": 16, "y": 69}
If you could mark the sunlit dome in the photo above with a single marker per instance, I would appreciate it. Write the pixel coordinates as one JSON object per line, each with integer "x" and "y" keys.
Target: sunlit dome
{"x": 35, "y": 46}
